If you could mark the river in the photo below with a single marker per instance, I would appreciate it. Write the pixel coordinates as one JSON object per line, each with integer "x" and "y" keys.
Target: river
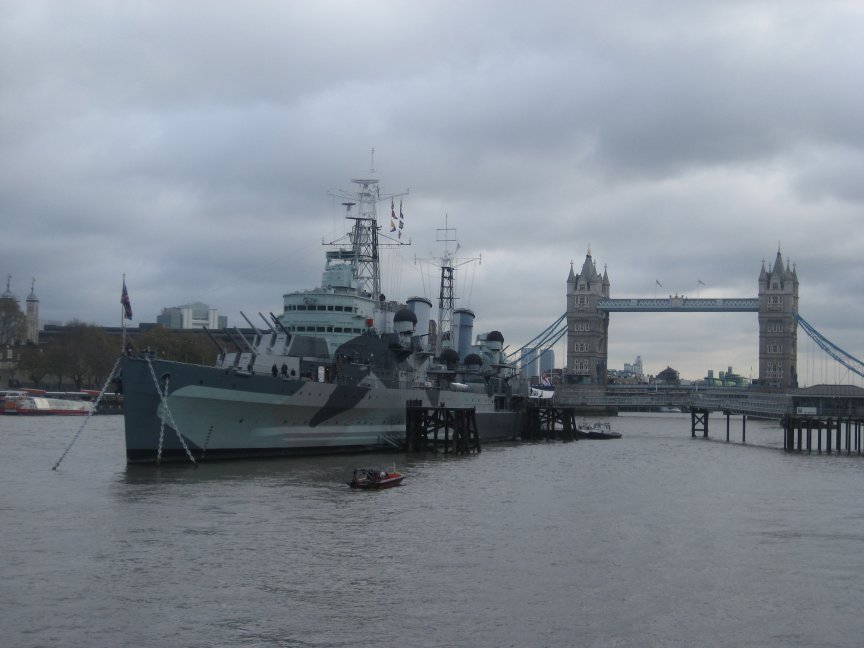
{"x": 655, "y": 539}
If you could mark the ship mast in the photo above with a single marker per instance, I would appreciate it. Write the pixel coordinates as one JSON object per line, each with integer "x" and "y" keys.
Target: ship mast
{"x": 446, "y": 297}
{"x": 364, "y": 239}
{"x": 364, "y": 242}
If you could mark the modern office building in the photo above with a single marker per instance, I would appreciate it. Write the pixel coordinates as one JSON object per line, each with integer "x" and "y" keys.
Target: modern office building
{"x": 192, "y": 316}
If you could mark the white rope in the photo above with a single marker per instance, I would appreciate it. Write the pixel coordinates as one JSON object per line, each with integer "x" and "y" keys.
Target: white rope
{"x": 89, "y": 413}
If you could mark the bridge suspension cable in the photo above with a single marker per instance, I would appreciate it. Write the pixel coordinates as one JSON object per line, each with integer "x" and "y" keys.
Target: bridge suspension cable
{"x": 846, "y": 359}
{"x": 544, "y": 340}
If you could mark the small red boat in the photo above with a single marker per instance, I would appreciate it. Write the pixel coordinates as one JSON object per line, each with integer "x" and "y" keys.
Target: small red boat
{"x": 374, "y": 478}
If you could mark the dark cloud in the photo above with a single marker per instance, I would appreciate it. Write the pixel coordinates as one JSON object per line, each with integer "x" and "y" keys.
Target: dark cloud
{"x": 193, "y": 145}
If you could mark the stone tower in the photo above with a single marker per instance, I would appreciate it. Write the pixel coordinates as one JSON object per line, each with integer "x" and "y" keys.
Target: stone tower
{"x": 778, "y": 328}
{"x": 32, "y": 315}
{"x": 587, "y": 328}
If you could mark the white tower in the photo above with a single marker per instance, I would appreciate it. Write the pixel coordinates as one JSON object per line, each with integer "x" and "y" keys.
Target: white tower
{"x": 33, "y": 315}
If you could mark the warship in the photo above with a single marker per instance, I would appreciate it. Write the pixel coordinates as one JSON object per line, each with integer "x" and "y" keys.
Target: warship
{"x": 333, "y": 373}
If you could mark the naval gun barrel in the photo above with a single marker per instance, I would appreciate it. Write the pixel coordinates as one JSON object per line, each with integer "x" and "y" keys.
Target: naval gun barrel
{"x": 245, "y": 341}
{"x": 251, "y": 325}
{"x": 278, "y": 323}
{"x": 214, "y": 341}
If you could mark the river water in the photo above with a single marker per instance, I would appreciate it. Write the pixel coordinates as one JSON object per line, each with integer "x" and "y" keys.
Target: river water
{"x": 656, "y": 539}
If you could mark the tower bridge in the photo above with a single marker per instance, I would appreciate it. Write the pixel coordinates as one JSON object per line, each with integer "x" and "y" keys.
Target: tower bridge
{"x": 589, "y": 306}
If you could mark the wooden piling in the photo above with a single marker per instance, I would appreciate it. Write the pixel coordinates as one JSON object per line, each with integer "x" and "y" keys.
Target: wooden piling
{"x": 429, "y": 428}
{"x": 547, "y": 422}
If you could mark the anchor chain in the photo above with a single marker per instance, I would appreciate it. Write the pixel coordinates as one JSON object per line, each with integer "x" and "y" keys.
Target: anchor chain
{"x": 89, "y": 413}
{"x": 163, "y": 397}
{"x": 161, "y": 429}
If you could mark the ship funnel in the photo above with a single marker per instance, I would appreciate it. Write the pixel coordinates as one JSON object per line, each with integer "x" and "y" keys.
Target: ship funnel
{"x": 463, "y": 325}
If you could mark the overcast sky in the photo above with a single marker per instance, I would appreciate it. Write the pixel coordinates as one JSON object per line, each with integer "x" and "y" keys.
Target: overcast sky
{"x": 194, "y": 146}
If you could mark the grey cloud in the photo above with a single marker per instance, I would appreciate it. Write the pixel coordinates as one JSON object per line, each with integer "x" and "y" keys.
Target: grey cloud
{"x": 192, "y": 146}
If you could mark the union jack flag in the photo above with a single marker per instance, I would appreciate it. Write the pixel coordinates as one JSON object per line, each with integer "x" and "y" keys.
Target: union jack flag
{"x": 127, "y": 305}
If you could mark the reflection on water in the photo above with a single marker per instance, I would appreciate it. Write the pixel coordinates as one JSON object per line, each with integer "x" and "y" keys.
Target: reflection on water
{"x": 656, "y": 539}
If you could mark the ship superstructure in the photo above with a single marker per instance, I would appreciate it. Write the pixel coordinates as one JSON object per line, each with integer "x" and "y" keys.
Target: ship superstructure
{"x": 349, "y": 300}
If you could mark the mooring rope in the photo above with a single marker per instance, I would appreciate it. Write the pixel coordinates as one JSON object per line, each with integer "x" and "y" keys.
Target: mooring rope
{"x": 163, "y": 397}
{"x": 90, "y": 413}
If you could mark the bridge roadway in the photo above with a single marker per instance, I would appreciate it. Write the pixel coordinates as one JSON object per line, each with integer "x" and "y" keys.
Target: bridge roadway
{"x": 745, "y": 401}
{"x": 680, "y": 304}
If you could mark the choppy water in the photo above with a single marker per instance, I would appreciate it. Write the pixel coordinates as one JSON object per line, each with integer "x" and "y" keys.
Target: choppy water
{"x": 652, "y": 540}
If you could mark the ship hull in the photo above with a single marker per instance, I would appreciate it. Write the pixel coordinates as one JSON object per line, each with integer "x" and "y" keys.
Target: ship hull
{"x": 223, "y": 414}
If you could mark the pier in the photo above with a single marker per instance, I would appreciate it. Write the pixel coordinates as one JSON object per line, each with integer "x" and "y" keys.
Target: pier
{"x": 799, "y": 431}
{"x": 453, "y": 429}
{"x": 549, "y": 422}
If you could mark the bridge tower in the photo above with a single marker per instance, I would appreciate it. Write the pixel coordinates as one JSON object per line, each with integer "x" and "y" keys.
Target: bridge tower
{"x": 778, "y": 328}
{"x": 587, "y": 326}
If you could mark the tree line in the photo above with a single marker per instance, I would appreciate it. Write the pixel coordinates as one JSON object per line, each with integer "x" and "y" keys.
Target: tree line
{"x": 82, "y": 355}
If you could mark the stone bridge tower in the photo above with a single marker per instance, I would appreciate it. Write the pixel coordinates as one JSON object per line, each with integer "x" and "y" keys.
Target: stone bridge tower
{"x": 778, "y": 328}
{"x": 587, "y": 327}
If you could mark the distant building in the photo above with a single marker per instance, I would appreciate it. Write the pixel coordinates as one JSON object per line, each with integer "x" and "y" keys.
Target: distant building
{"x": 632, "y": 374}
{"x": 191, "y": 316}
{"x": 536, "y": 363}
{"x": 30, "y": 330}
{"x": 726, "y": 379}
{"x": 633, "y": 370}
{"x": 668, "y": 377}
{"x": 32, "y": 315}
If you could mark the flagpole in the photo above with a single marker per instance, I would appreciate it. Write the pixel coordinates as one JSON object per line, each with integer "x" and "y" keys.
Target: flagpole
{"x": 123, "y": 318}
